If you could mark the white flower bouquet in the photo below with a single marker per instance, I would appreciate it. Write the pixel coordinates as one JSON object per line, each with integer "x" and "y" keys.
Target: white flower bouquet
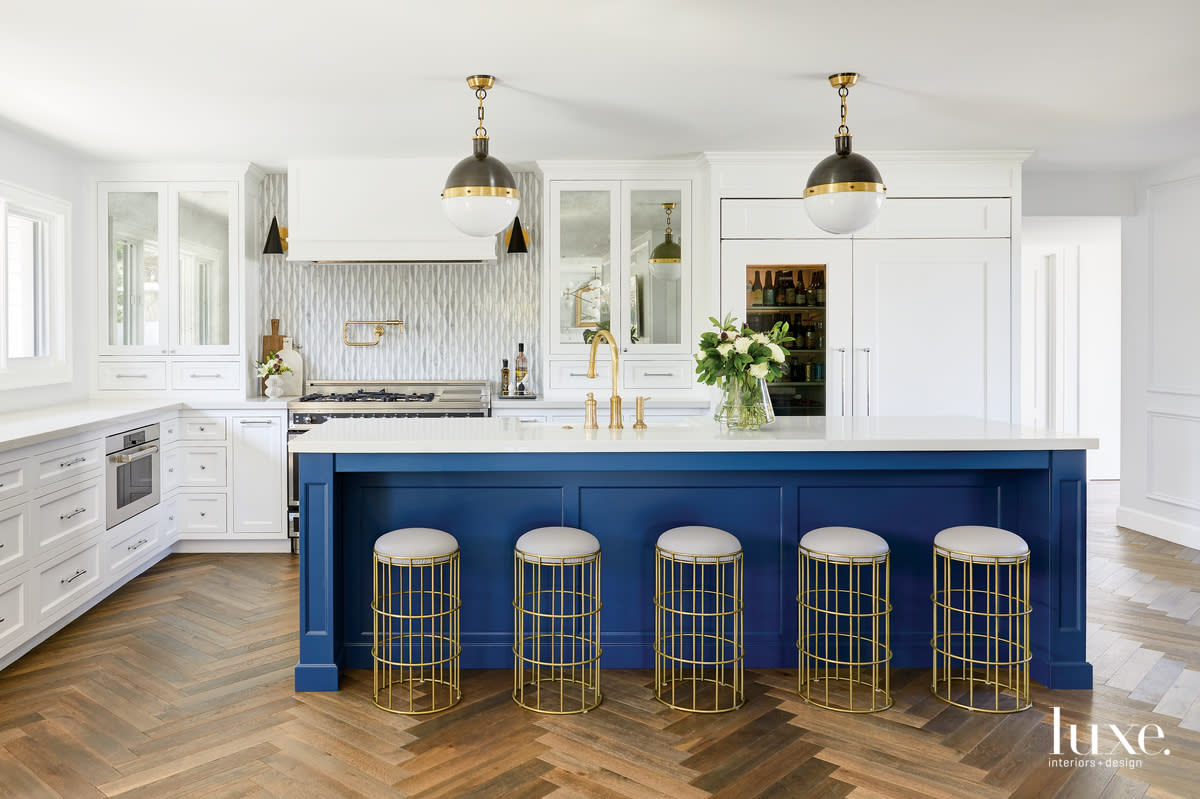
{"x": 742, "y": 363}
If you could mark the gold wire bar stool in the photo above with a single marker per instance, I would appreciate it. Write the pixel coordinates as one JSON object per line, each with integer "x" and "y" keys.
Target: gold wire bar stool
{"x": 416, "y": 604}
{"x": 845, "y": 620}
{"x": 556, "y": 621}
{"x": 981, "y": 609}
{"x": 698, "y": 628}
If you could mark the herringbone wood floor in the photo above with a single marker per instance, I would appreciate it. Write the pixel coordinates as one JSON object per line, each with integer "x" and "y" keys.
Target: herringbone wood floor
{"x": 180, "y": 685}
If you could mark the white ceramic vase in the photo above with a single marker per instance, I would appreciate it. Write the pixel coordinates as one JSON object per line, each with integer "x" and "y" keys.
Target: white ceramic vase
{"x": 274, "y": 386}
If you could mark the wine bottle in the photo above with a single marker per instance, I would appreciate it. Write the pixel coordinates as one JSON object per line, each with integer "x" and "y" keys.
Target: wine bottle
{"x": 821, "y": 287}
{"x": 756, "y": 290}
{"x": 769, "y": 291}
{"x": 801, "y": 296}
{"x": 521, "y": 370}
{"x": 789, "y": 294}
{"x": 504, "y": 375}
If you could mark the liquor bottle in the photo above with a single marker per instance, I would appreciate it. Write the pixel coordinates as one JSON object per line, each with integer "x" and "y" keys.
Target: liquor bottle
{"x": 812, "y": 289}
{"x": 789, "y": 293}
{"x": 820, "y": 335}
{"x": 521, "y": 369}
{"x": 769, "y": 291}
{"x": 801, "y": 296}
{"x": 756, "y": 290}
{"x": 810, "y": 337}
{"x": 504, "y": 377}
{"x": 821, "y": 287}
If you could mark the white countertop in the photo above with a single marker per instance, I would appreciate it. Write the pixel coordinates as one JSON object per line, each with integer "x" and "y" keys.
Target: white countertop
{"x": 786, "y": 434}
{"x": 33, "y": 426}
{"x": 542, "y": 402}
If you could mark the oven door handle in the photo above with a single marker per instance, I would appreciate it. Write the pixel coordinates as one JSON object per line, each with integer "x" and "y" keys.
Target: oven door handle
{"x": 144, "y": 452}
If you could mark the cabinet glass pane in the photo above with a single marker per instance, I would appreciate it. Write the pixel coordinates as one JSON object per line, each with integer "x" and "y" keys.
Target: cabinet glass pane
{"x": 203, "y": 268}
{"x": 584, "y": 264}
{"x": 136, "y": 307}
{"x": 795, "y": 294}
{"x": 654, "y": 282}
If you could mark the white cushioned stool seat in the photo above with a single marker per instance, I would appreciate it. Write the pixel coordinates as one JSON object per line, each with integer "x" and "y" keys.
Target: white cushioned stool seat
{"x": 704, "y": 544}
{"x": 567, "y": 543}
{"x": 841, "y": 544}
{"x": 985, "y": 542}
{"x": 417, "y": 543}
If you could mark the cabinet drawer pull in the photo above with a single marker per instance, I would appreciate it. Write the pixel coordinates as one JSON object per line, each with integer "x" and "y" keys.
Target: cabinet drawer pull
{"x": 140, "y": 375}
{"x": 658, "y": 374}
{"x": 202, "y": 376}
{"x": 256, "y": 421}
{"x": 576, "y": 374}
{"x": 72, "y": 462}
{"x": 72, "y": 514}
{"x": 78, "y": 573}
{"x": 132, "y": 547}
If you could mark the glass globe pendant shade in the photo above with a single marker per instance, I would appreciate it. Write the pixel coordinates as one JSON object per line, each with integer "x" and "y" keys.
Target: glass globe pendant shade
{"x": 481, "y": 196}
{"x": 845, "y": 191}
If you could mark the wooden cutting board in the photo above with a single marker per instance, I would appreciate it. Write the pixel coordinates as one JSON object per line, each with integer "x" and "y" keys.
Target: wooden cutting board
{"x": 272, "y": 343}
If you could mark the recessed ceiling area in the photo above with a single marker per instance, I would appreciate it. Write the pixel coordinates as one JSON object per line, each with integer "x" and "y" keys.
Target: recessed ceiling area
{"x": 1084, "y": 84}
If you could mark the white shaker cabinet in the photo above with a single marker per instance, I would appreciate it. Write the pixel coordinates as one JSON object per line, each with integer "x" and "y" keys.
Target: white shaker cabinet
{"x": 258, "y": 474}
{"x": 914, "y": 326}
{"x": 932, "y": 323}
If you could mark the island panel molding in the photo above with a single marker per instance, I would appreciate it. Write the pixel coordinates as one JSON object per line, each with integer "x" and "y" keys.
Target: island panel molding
{"x": 768, "y": 499}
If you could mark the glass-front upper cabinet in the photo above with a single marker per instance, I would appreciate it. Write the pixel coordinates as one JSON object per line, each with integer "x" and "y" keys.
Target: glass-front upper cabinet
{"x": 619, "y": 261}
{"x": 170, "y": 266}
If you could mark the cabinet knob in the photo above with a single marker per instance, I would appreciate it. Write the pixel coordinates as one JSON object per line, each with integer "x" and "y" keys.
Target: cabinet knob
{"x": 202, "y": 513}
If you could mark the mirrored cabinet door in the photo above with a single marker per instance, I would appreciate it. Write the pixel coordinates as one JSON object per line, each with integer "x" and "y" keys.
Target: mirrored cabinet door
{"x": 202, "y": 255}
{"x": 134, "y": 222}
{"x": 582, "y": 268}
{"x": 657, "y": 266}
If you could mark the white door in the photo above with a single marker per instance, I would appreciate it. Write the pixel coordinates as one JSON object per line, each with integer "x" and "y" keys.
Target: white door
{"x": 832, "y": 257}
{"x": 932, "y": 324}
{"x": 258, "y": 475}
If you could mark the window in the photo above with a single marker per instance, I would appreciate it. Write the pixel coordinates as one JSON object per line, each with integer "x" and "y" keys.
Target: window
{"x": 33, "y": 289}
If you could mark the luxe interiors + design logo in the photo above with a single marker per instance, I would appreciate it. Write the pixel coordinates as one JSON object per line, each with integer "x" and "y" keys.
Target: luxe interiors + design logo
{"x": 1106, "y": 745}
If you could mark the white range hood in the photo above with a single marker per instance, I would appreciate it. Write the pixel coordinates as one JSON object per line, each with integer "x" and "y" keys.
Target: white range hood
{"x": 386, "y": 210}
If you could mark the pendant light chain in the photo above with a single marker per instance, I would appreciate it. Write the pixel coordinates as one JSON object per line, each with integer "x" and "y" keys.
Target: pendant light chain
{"x": 481, "y": 131}
{"x": 843, "y": 91}
{"x": 669, "y": 221}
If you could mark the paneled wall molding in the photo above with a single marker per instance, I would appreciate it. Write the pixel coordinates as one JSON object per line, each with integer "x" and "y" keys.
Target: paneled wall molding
{"x": 1172, "y": 284}
{"x": 1173, "y": 472}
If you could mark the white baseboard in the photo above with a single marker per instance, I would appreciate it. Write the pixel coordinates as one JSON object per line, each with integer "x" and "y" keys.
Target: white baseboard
{"x": 210, "y": 545}
{"x": 1187, "y": 535}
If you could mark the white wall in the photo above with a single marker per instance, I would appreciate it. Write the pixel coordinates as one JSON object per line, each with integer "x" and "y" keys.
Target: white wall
{"x": 1077, "y": 194}
{"x": 48, "y": 169}
{"x": 1085, "y": 300}
{"x": 1160, "y": 463}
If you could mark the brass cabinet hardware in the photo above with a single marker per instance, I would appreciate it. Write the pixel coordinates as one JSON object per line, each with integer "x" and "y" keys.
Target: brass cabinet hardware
{"x": 377, "y": 330}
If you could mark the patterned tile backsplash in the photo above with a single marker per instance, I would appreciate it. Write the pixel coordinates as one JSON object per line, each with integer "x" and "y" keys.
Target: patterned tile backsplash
{"x": 459, "y": 319}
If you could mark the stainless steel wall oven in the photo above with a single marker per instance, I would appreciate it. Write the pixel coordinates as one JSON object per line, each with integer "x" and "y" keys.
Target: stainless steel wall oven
{"x": 132, "y": 480}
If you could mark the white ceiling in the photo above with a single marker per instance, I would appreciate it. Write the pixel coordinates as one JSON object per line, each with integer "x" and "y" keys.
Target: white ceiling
{"x": 1085, "y": 84}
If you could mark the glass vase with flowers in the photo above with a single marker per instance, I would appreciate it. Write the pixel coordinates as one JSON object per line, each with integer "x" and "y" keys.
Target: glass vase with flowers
{"x": 741, "y": 362}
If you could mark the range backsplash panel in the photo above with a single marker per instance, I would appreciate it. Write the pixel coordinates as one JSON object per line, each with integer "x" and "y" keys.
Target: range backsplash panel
{"x": 459, "y": 319}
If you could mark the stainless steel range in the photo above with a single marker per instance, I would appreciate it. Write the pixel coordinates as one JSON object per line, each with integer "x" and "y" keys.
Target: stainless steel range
{"x": 340, "y": 399}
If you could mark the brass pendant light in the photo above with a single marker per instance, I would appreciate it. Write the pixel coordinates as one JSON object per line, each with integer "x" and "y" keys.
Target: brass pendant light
{"x": 845, "y": 190}
{"x": 481, "y": 197}
{"x": 665, "y": 258}
{"x": 668, "y": 252}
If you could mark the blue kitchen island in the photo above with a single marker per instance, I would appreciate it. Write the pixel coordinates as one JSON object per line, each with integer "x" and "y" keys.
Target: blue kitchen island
{"x": 487, "y": 481}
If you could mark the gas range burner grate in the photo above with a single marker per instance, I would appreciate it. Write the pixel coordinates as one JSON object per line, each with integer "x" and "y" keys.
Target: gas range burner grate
{"x": 362, "y": 395}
